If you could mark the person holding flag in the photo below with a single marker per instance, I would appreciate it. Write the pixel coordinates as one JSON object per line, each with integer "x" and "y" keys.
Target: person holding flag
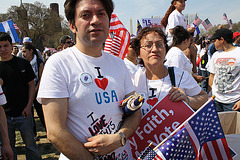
{"x": 173, "y": 18}
{"x": 154, "y": 80}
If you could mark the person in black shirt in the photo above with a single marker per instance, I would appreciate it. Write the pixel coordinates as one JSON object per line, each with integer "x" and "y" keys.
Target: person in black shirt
{"x": 19, "y": 89}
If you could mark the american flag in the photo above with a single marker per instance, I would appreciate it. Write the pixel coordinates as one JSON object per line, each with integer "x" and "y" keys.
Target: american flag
{"x": 207, "y": 24}
{"x": 197, "y": 21}
{"x": 225, "y": 17}
{"x": 149, "y": 154}
{"x": 199, "y": 137}
{"x": 15, "y": 26}
{"x": 230, "y": 23}
{"x": 118, "y": 39}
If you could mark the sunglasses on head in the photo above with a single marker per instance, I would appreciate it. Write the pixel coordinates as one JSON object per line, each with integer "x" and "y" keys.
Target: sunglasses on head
{"x": 69, "y": 42}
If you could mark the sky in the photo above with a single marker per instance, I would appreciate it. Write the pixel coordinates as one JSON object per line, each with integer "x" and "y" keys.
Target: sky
{"x": 138, "y": 9}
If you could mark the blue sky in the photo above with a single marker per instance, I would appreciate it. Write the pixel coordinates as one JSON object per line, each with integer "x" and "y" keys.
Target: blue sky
{"x": 137, "y": 9}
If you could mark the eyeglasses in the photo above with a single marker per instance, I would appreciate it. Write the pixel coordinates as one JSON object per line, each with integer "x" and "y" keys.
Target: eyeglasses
{"x": 149, "y": 47}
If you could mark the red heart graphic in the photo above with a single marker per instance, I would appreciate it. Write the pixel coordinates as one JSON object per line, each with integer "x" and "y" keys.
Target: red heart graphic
{"x": 152, "y": 102}
{"x": 102, "y": 83}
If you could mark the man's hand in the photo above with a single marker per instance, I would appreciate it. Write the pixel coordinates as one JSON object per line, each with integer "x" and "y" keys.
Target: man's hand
{"x": 198, "y": 78}
{"x": 7, "y": 152}
{"x": 27, "y": 111}
{"x": 103, "y": 144}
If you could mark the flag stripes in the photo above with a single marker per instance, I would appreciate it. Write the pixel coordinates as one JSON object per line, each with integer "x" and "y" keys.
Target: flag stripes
{"x": 8, "y": 27}
{"x": 118, "y": 39}
{"x": 200, "y": 137}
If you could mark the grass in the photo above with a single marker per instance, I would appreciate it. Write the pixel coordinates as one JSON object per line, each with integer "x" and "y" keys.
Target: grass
{"x": 46, "y": 148}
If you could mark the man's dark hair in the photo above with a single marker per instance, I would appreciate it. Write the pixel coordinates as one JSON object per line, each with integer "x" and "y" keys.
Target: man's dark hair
{"x": 70, "y": 9}
{"x": 64, "y": 39}
{"x": 31, "y": 47}
{"x": 5, "y": 37}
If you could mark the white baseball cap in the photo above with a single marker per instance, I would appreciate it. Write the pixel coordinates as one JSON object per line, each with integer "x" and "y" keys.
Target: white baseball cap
{"x": 27, "y": 39}
{"x": 46, "y": 49}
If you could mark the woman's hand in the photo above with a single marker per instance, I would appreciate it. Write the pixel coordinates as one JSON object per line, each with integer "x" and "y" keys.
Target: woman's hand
{"x": 191, "y": 29}
{"x": 177, "y": 94}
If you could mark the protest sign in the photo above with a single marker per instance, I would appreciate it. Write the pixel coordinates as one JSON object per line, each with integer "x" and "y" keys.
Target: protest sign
{"x": 159, "y": 123}
{"x": 151, "y": 22}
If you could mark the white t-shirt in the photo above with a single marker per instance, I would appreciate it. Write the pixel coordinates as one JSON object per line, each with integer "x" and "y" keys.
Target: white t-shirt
{"x": 131, "y": 66}
{"x": 226, "y": 82}
{"x": 176, "y": 58}
{"x": 175, "y": 19}
{"x": 2, "y": 97}
{"x": 150, "y": 89}
{"x": 94, "y": 87}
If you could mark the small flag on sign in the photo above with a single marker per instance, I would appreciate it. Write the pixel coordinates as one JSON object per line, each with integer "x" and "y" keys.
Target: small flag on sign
{"x": 139, "y": 27}
{"x": 207, "y": 24}
{"x": 8, "y": 27}
{"x": 199, "y": 137}
{"x": 118, "y": 39}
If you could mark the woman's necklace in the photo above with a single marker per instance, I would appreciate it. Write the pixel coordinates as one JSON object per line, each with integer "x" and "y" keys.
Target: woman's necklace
{"x": 160, "y": 87}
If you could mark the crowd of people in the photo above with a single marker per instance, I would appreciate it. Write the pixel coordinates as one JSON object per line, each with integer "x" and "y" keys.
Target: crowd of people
{"x": 77, "y": 90}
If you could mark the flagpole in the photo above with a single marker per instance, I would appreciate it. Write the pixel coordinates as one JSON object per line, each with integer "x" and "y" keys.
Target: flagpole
{"x": 179, "y": 128}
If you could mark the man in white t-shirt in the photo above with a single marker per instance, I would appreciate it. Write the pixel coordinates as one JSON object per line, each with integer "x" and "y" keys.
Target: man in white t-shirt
{"x": 225, "y": 72}
{"x": 5, "y": 148}
{"x": 81, "y": 89}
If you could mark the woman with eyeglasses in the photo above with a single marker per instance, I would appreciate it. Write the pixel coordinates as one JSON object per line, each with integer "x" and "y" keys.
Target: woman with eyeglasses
{"x": 153, "y": 81}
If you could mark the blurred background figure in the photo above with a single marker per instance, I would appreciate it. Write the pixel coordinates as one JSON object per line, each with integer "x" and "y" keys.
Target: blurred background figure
{"x": 236, "y": 39}
{"x": 47, "y": 53}
{"x": 131, "y": 59}
{"x": 66, "y": 41}
{"x": 30, "y": 53}
{"x": 15, "y": 50}
{"x": 175, "y": 17}
{"x": 28, "y": 40}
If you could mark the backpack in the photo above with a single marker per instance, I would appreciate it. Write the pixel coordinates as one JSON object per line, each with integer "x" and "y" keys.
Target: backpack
{"x": 204, "y": 60}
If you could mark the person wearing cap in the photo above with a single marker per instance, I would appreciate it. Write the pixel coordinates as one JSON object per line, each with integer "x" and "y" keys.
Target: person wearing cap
{"x": 236, "y": 39}
{"x": 174, "y": 17}
{"x": 28, "y": 40}
{"x": 47, "y": 53}
{"x": 66, "y": 41}
{"x": 224, "y": 68}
